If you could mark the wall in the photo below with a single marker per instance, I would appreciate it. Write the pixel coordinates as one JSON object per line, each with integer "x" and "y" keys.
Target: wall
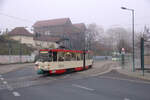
{"x": 5, "y": 59}
{"x": 24, "y": 39}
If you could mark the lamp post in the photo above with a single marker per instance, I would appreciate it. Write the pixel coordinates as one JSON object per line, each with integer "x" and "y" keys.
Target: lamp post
{"x": 132, "y": 10}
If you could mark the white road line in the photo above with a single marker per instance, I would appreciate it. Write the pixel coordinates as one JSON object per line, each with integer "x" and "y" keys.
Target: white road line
{"x": 82, "y": 87}
{"x": 16, "y": 94}
{"x": 4, "y": 82}
{"x": 101, "y": 73}
{"x": 1, "y": 78}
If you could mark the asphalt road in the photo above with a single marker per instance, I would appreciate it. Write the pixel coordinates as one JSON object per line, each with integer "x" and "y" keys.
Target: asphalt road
{"x": 25, "y": 84}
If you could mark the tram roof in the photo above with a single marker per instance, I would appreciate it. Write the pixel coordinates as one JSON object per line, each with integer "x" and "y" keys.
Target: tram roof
{"x": 63, "y": 50}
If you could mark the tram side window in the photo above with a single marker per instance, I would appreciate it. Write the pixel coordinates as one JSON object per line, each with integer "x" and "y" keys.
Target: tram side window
{"x": 50, "y": 56}
{"x": 69, "y": 56}
{"x": 73, "y": 56}
{"x": 88, "y": 56}
{"x": 81, "y": 56}
{"x": 78, "y": 56}
{"x": 54, "y": 56}
{"x": 61, "y": 56}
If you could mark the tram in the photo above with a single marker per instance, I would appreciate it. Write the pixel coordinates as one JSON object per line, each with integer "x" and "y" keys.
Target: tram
{"x": 59, "y": 61}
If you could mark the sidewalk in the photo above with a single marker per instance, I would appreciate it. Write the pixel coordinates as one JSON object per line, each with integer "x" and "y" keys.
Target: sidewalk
{"x": 12, "y": 67}
{"x": 137, "y": 73}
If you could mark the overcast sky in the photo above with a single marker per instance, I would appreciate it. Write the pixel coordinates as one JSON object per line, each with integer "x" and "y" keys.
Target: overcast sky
{"x": 106, "y": 13}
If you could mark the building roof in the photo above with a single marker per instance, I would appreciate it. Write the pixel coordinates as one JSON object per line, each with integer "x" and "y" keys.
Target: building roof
{"x": 52, "y": 22}
{"x": 80, "y": 26}
{"x": 19, "y": 31}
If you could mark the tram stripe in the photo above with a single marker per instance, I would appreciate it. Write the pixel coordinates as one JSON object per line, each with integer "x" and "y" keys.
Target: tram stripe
{"x": 78, "y": 68}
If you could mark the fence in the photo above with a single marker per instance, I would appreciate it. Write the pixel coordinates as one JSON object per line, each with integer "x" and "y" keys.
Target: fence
{"x": 126, "y": 61}
{"x": 145, "y": 54}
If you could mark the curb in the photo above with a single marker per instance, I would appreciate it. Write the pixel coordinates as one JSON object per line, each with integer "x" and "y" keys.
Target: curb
{"x": 15, "y": 63}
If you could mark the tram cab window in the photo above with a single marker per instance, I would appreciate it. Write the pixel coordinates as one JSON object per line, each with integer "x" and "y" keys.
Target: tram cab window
{"x": 45, "y": 56}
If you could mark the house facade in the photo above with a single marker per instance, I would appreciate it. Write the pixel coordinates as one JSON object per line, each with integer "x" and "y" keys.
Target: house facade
{"x": 22, "y": 35}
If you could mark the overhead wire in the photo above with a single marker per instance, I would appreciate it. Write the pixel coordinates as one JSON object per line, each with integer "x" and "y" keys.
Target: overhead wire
{"x": 14, "y": 17}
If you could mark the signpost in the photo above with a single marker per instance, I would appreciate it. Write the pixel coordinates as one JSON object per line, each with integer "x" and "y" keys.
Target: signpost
{"x": 122, "y": 56}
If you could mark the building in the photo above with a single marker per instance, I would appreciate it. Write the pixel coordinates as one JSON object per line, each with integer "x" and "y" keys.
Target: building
{"x": 54, "y": 27}
{"x": 47, "y": 42}
{"x": 52, "y": 33}
{"x": 22, "y": 35}
{"x": 63, "y": 28}
{"x": 25, "y": 37}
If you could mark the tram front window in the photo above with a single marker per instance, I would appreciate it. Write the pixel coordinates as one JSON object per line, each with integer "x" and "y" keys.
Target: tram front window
{"x": 45, "y": 56}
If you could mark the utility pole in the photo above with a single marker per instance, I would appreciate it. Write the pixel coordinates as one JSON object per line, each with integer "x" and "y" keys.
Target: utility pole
{"x": 20, "y": 50}
{"x": 132, "y": 10}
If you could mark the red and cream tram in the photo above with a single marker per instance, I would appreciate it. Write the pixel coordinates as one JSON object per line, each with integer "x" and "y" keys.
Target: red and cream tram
{"x": 58, "y": 61}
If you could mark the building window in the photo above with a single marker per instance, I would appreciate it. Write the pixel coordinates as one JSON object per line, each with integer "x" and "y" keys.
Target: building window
{"x": 47, "y": 33}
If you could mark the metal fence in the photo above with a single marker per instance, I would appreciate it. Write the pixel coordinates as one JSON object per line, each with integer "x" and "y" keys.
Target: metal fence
{"x": 145, "y": 52}
{"x": 126, "y": 60}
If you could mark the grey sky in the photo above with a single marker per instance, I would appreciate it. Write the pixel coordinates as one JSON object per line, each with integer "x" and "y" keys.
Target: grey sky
{"x": 106, "y": 13}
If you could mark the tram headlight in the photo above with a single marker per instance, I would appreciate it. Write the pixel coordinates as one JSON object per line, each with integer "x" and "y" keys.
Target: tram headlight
{"x": 36, "y": 64}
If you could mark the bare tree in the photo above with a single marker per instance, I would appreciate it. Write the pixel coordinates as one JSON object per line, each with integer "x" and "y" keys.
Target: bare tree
{"x": 119, "y": 38}
{"x": 92, "y": 35}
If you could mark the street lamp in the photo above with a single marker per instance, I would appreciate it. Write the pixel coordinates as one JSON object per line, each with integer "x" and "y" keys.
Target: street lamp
{"x": 132, "y": 10}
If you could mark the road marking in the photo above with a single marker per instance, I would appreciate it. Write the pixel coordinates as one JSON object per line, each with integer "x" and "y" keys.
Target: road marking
{"x": 5, "y": 82}
{"x": 126, "y": 99}
{"x": 101, "y": 73}
{"x": 82, "y": 87}
{"x": 1, "y": 78}
{"x": 16, "y": 94}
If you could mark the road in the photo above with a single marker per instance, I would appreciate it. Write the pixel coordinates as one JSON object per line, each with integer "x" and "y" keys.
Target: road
{"x": 25, "y": 84}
